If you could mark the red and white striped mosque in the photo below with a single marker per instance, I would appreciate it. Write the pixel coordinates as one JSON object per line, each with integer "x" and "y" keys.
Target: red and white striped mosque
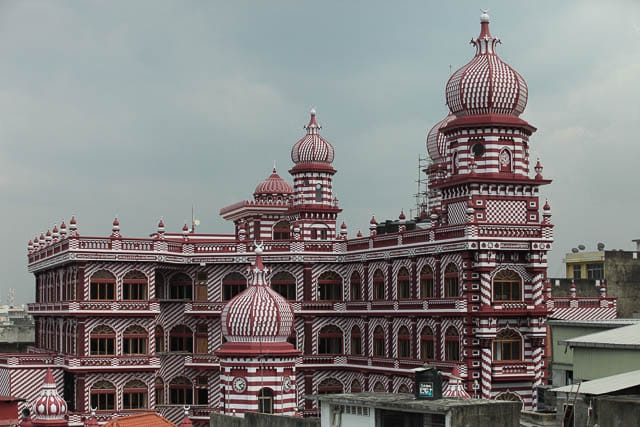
{"x": 291, "y": 305}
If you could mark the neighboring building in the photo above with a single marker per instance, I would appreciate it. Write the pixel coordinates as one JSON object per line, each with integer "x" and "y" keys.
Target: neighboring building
{"x": 562, "y": 369}
{"x": 401, "y": 409}
{"x": 132, "y": 324}
{"x": 9, "y": 410}
{"x": 618, "y": 270}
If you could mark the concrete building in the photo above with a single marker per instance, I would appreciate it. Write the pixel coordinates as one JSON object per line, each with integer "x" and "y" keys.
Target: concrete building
{"x": 402, "y": 409}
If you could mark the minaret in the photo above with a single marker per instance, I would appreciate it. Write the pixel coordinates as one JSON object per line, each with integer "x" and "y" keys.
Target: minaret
{"x": 257, "y": 364}
{"x": 314, "y": 205}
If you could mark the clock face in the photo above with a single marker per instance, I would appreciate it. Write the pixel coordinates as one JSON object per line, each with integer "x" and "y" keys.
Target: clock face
{"x": 239, "y": 384}
{"x": 286, "y": 384}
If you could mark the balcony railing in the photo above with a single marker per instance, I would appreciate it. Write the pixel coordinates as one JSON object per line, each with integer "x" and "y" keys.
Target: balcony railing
{"x": 140, "y": 362}
{"x": 139, "y": 307}
{"x": 512, "y": 368}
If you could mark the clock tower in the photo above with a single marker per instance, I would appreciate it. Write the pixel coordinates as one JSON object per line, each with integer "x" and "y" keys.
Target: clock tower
{"x": 257, "y": 363}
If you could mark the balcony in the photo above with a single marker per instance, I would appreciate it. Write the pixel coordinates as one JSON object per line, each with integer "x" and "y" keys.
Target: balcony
{"x": 95, "y": 307}
{"x": 509, "y": 369}
{"x": 84, "y": 363}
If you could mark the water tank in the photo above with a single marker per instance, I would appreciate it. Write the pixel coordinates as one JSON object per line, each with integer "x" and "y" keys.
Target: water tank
{"x": 428, "y": 383}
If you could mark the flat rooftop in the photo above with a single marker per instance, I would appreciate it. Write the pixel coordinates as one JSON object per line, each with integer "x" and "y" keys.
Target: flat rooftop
{"x": 404, "y": 401}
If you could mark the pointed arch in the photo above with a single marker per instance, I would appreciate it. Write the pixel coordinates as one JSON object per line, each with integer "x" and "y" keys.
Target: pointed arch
{"x": 102, "y": 341}
{"x": 451, "y": 281}
{"x": 330, "y": 340}
{"x": 507, "y": 345}
{"x": 378, "y": 285}
{"x": 134, "y": 340}
{"x": 427, "y": 344}
{"x": 102, "y": 286}
{"x": 103, "y": 396}
{"x": 404, "y": 283}
{"x": 134, "y": 286}
{"x": 379, "y": 344}
{"x": 427, "y": 288}
{"x": 356, "y": 341}
{"x": 404, "y": 342}
{"x": 507, "y": 286}
{"x": 452, "y": 344}
{"x": 505, "y": 160}
{"x": 282, "y": 230}
{"x": 330, "y": 286}
{"x": 329, "y": 386}
{"x": 284, "y": 283}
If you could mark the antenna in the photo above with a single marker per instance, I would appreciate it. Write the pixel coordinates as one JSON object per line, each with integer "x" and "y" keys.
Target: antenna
{"x": 11, "y": 300}
{"x": 421, "y": 195}
{"x": 194, "y": 221}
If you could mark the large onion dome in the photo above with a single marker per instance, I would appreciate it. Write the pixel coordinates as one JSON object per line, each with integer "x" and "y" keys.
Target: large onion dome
{"x": 49, "y": 405}
{"x": 312, "y": 148}
{"x": 486, "y": 85}
{"x": 273, "y": 185}
{"x": 436, "y": 141}
{"x": 257, "y": 314}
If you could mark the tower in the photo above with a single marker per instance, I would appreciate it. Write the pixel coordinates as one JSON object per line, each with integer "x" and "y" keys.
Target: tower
{"x": 315, "y": 208}
{"x": 257, "y": 364}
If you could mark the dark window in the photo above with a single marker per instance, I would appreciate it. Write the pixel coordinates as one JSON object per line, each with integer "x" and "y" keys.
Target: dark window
{"x": 329, "y": 386}
{"x": 404, "y": 284}
{"x": 378, "y": 285}
{"x": 265, "y": 401}
{"x": 507, "y": 286}
{"x": 507, "y": 346}
{"x": 477, "y": 149}
{"x": 181, "y": 339}
{"x": 595, "y": 271}
{"x": 427, "y": 344}
{"x": 318, "y": 193}
{"x": 378, "y": 342}
{"x": 134, "y": 340}
{"x": 356, "y": 341}
{"x": 452, "y": 344}
{"x": 180, "y": 287}
{"x": 451, "y": 282}
{"x": 159, "y": 391}
{"x": 159, "y": 339}
{"x": 102, "y": 286}
{"x": 285, "y": 284}
{"x": 282, "y": 231}
{"x": 103, "y": 396}
{"x": 134, "y": 395}
{"x": 232, "y": 285}
{"x": 180, "y": 392}
{"x": 355, "y": 286}
{"x": 577, "y": 271}
{"x": 426, "y": 282}
{"x": 356, "y": 387}
{"x": 330, "y": 340}
{"x": 329, "y": 287}
{"x": 404, "y": 342}
{"x": 102, "y": 341}
{"x": 134, "y": 286}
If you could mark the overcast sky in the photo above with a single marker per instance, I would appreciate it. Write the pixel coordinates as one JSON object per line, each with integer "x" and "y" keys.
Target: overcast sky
{"x": 142, "y": 109}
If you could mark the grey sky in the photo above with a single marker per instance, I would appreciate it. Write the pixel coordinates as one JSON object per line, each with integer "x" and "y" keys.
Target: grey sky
{"x": 144, "y": 108}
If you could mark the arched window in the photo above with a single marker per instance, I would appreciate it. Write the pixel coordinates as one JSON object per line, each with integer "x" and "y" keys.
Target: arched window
{"x": 426, "y": 283}
{"x": 318, "y": 193}
{"x": 285, "y": 284}
{"x": 404, "y": 342}
{"x": 329, "y": 287}
{"x": 355, "y": 286}
{"x": 180, "y": 287}
{"x": 404, "y": 284}
{"x": 329, "y": 386}
{"x": 319, "y": 232}
{"x": 134, "y": 286}
{"x": 509, "y": 396}
{"x": 404, "y": 389}
{"x": 356, "y": 341}
{"x": 159, "y": 339}
{"x": 181, "y": 339}
{"x": 134, "y": 340}
{"x": 232, "y": 285}
{"x": 427, "y": 344}
{"x": 202, "y": 390}
{"x": 103, "y": 396}
{"x": 451, "y": 280}
{"x": 379, "y": 348}
{"x": 505, "y": 161}
{"x": 455, "y": 163}
{"x": 378, "y": 285}
{"x": 507, "y": 345}
{"x": 102, "y": 286}
{"x": 282, "y": 230}
{"x": 180, "y": 391}
{"x": 202, "y": 339}
{"x": 159, "y": 391}
{"x": 507, "y": 286}
{"x": 379, "y": 387}
{"x": 265, "y": 401}
{"x": 134, "y": 395}
{"x": 452, "y": 344}
{"x": 330, "y": 340}
{"x": 160, "y": 285}
{"x": 103, "y": 341}
{"x": 356, "y": 387}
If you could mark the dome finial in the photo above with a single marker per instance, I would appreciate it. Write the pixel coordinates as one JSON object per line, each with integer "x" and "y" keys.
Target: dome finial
{"x": 313, "y": 126}
{"x": 274, "y": 166}
{"x": 484, "y": 24}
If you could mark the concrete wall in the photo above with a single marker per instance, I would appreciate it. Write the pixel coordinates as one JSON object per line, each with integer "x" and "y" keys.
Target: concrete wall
{"x": 591, "y": 363}
{"x": 617, "y": 411}
{"x": 507, "y": 414}
{"x": 252, "y": 419}
{"x": 622, "y": 272}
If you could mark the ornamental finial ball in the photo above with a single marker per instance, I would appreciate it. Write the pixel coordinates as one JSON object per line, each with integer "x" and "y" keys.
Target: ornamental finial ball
{"x": 484, "y": 16}
{"x": 313, "y": 111}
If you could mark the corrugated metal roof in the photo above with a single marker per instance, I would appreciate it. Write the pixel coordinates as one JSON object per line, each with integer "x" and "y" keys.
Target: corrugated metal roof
{"x": 603, "y": 385}
{"x": 624, "y": 337}
{"x": 140, "y": 420}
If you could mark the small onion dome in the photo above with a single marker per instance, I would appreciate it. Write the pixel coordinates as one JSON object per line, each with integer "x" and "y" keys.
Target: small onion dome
{"x": 73, "y": 221}
{"x": 273, "y": 185}
{"x": 161, "y": 225}
{"x": 312, "y": 148}
{"x": 63, "y": 229}
{"x": 343, "y": 226}
{"x": 47, "y": 237}
{"x": 49, "y": 405}
{"x": 116, "y": 223}
{"x": 373, "y": 221}
{"x": 55, "y": 232}
{"x": 486, "y": 85}
{"x": 455, "y": 388}
{"x": 402, "y": 217}
{"x": 30, "y": 245}
{"x": 185, "y": 229}
{"x": 257, "y": 314}
{"x": 547, "y": 206}
{"x": 436, "y": 142}
{"x": 359, "y": 234}
{"x": 186, "y": 421}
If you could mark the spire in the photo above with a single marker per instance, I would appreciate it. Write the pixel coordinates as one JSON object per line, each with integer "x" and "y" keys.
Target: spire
{"x": 485, "y": 43}
{"x": 313, "y": 127}
{"x": 484, "y": 24}
{"x": 259, "y": 271}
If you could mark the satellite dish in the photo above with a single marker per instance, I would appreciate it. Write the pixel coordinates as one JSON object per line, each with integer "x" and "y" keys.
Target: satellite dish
{"x": 600, "y": 246}
{"x": 581, "y": 247}
{"x": 575, "y": 250}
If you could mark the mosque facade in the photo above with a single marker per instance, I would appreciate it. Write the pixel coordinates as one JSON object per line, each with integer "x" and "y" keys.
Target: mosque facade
{"x": 290, "y": 305}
